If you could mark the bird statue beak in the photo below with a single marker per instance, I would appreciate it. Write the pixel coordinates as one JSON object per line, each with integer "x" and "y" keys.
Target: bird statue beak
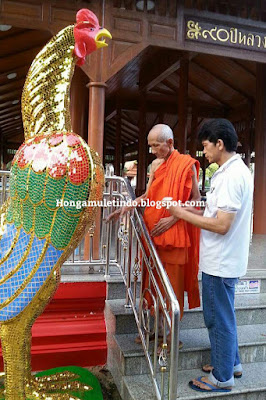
{"x": 102, "y": 33}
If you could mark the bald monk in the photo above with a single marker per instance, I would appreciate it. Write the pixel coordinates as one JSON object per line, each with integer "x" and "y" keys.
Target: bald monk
{"x": 172, "y": 175}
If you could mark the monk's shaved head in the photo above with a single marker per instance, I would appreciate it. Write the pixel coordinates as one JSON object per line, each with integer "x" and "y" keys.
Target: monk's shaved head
{"x": 161, "y": 133}
{"x": 161, "y": 141}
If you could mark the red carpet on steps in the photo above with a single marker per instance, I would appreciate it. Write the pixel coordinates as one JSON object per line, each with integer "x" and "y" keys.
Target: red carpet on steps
{"x": 71, "y": 331}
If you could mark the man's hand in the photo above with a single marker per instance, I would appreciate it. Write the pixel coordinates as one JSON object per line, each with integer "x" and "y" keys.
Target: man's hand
{"x": 219, "y": 224}
{"x": 117, "y": 214}
{"x": 176, "y": 211}
{"x": 163, "y": 225}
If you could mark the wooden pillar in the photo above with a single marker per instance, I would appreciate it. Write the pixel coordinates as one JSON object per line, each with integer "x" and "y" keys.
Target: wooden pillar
{"x": 193, "y": 134}
{"x": 260, "y": 152}
{"x": 78, "y": 103}
{"x": 118, "y": 141}
{"x": 1, "y": 151}
{"x": 247, "y": 158}
{"x": 181, "y": 131}
{"x": 96, "y": 116}
{"x": 247, "y": 137}
{"x": 203, "y": 166}
{"x": 95, "y": 140}
{"x": 123, "y": 159}
{"x": 142, "y": 150}
{"x": 104, "y": 151}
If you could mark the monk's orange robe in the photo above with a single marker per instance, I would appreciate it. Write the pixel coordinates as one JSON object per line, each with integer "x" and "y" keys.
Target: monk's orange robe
{"x": 178, "y": 247}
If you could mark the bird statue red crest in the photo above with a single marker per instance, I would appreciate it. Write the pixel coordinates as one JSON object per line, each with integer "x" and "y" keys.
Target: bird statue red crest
{"x": 37, "y": 232}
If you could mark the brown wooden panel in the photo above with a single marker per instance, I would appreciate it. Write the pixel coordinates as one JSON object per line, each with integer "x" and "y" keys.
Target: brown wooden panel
{"x": 213, "y": 86}
{"x": 10, "y": 96}
{"x": 18, "y": 60}
{"x": 162, "y": 90}
{"x": 162, "y": 31}
{"x": 15, "y": 134}
{"x": 22, "y": 41}
{"x": 128, "y": 25}
{"x": 10, "y": 116}
{"x": 14, "y": 116}
{"x": 10, "y": 110}
{"x": 11, "y": 124}
{"x": 248, "y": 66}
{"x": 197, "y": 94}
{"x": 17, "y": 138}
{"x": 118, "y": 48}
{"x": 21, "y": 73}
{"x": 23, "y": 9}
{"x": 11, "y": 86}
{"x": 11, "y": 32}
{"x": 229, "y": 72}
{"x": 161, "y": 64}
{"x": 62, "y": 16}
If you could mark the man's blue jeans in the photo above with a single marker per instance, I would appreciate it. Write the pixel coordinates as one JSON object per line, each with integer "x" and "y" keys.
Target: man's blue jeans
{"x": 218, "y": 295}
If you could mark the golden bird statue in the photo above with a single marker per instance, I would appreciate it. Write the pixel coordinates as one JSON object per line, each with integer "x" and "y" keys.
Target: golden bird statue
{"x": 37, "y": 232}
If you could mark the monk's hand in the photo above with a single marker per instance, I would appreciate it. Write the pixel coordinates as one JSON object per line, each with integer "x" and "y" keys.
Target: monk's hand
{"x": 163, "y": 225}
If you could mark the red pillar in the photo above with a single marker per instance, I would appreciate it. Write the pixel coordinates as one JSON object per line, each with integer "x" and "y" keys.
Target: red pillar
{"x": 95, "y": 141}
{"x": 260, "y": 153}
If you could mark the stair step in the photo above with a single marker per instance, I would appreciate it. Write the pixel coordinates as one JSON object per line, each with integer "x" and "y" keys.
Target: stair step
{"x": 73, "y": 272}
{"x": 116, "y": 286}
{"x": 196, "y": 350}
{"x": 252, "y": 386}
{"x": 250, "y": 310}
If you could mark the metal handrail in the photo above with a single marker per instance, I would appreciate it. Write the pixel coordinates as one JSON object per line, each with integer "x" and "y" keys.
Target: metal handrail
{"x": 173, "y": 317}
{"x": 135, "y": 238}
{"x": 4, "y": 186}
{"x": 120, "y": 243}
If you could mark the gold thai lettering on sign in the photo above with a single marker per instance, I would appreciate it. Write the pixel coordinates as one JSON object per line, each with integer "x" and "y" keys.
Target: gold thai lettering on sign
{"x": 193, "y": 30}
{"x": 225, "y": 35}
{"x": 211, "y": 32}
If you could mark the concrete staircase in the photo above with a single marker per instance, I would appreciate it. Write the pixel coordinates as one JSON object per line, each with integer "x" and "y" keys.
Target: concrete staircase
{"x": 129, "y": 368}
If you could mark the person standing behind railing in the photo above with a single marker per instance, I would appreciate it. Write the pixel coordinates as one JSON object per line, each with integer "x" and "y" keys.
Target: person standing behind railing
{"x": 176, "y": 175}
{"x": 224, "y": 249}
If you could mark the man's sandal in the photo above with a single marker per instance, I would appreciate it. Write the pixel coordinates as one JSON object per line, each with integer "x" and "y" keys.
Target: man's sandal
{"x": 151, "y": 338}
{"x": 208, "y": 368}
{"x": 212, "y": 388}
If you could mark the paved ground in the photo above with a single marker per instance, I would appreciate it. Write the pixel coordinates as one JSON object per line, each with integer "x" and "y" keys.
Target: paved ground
{"x": 109, "y": 389}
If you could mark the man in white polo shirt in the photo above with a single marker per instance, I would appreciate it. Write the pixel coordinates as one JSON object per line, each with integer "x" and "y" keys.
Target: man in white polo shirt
{"x": 224, "y": 249}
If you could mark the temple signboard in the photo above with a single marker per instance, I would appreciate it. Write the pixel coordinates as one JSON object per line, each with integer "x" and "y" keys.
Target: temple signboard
{"x": 206, "y": 32}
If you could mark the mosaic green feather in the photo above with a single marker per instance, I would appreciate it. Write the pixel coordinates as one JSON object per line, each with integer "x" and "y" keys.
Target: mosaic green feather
{"x": 43, "y": 221}
{"x": 77, "y": 192}
{"x": 9, "y": 214}
{"x": 63, "y": 229}
{"x": 22, "y": 176}
{"x": 28, "y": 215}
{"x": 36, "y": 186}
{"x": 13, "y": 180}
{"x": 54, "y": 191}
{"x": 17, "y": 212}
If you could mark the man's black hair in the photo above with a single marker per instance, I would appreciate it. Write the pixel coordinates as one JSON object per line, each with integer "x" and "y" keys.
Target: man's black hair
{"x": 219, "y": 128}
